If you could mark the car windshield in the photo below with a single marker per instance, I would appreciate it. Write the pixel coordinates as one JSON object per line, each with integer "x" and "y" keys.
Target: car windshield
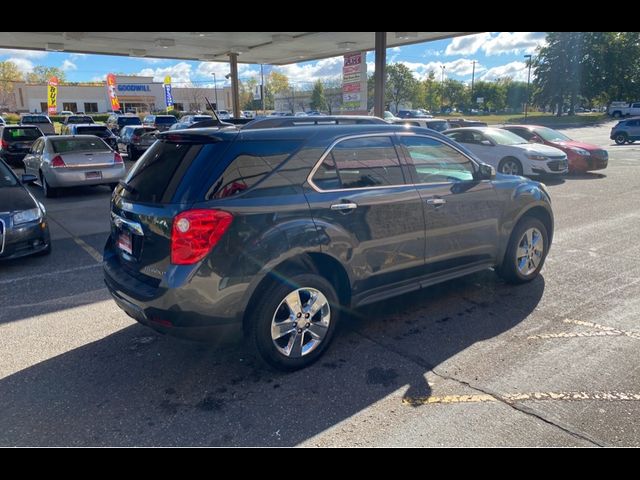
{"x": 503, "y": 137}
{"x": 21, "y": 134}
{"x": 34, "y": 119}
{"x": 170, "y": 119}
{"x": 129, "y": 121}
{"x": 97, "y": 131}
{"x": 551, "y": 135}
{"x": 7, "y": 179}
{"x": 69, "y": 145}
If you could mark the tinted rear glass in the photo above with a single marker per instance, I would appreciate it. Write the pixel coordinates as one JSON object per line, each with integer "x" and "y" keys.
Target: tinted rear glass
{"x": 98, "y": 131}
{"x": 77, "y": 145}
{"x": 34, "y": 119}
{"x": 129, "y": 121}
{"x": 80, "y": 120}
{"x": 172, "y": 172}
{"x": 21, "y": 134}
{"x": 166, "y": 120}
{"x": 438, "y": 126}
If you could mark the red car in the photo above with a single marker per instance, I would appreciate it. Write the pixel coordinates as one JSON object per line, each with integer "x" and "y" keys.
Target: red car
{"x": 582, "y": 156}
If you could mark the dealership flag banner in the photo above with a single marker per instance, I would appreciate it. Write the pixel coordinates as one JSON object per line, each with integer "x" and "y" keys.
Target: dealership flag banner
{"x": 354, "y": 82}
{"x": 111, "y": 88}
{"x": 52, "y": 95}
{"x": 167, "y": 93}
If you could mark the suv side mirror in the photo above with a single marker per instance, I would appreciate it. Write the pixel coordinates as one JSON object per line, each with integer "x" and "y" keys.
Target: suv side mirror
{"x": 486, "y": 172}
{"x": 26, "y": 179}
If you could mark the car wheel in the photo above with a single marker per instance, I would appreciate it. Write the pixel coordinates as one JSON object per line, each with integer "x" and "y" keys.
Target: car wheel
{"x": 526, "y": 251}
{"x": 49, "y": 191}
{"x": 510, "y": 166}
{"x": 620, "y": 138}
{"x": 293, "y": 323}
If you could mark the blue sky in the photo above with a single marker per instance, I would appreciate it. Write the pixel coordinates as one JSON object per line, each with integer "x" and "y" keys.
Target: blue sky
{"x": 497, "y": 54}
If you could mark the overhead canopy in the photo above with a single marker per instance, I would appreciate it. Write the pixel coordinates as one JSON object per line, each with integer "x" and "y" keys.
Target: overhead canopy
{"x": 276, "y": 48}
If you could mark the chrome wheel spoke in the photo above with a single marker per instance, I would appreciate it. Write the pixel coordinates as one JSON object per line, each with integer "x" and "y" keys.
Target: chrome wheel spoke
{"x": 530, "y": 251}
{"x": 294, "y": 346}
{"x": 318, "y": 302}
{"x": 318, "y": 330}
{"x": 293, "y": 302}
{"x": 280, "y": 329}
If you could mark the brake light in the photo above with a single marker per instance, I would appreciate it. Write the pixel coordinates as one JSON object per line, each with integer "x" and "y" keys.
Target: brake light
{"x": 58, "y": 162}
{"x": 117, "y": 158}
{"x": 195, "y": 233}
{"x": 4, "y": 144}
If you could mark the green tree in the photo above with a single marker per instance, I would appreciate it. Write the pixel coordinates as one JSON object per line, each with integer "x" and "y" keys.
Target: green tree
{"x": 42, "y": 74}
{"x": 9, "y": 74}
{"x": 400, "y": 86}
{"x": 275, "y": 83}
{"x": 456, "y": 93}
{"x": 432, "y": 91}
{"x": 318, "y": 100}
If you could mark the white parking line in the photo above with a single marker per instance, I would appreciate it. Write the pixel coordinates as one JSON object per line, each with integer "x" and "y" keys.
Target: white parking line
{"x": 48, "y": 274}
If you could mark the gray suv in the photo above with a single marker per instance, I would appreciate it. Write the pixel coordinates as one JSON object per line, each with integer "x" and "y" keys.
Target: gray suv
{"x": 278, "y": 232}
{"x": 135, "y": 140}
{"x": 626, "y": 131}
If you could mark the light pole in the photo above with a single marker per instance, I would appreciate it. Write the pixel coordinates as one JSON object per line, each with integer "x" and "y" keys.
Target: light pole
{"x": 442, "y": 86}
{"x": 215, "y": 88}
{"x": 526, "y": 105}
{"x": 473, "y": 75}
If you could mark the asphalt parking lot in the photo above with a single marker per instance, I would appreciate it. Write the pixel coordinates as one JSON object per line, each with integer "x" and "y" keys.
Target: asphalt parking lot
{"x": 472, "y": 362}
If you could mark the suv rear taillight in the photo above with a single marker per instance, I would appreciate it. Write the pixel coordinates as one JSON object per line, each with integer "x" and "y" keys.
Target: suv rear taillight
{"x": 57, "y": 161}
{"x": 117, "y": 158}
{"x": 4, "y": 144}
{"x": 195, "y": 233}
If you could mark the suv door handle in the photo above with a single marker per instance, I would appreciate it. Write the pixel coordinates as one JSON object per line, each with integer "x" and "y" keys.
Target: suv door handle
{"x": 344, "y": 206}
{"x": 436, "y": 201}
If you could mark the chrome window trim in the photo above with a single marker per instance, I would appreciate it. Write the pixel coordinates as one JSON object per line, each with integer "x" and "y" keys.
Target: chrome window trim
{"x": 135, "y": 227}
{"x": 351, "y": 137}
{"x": 4, "y": 235}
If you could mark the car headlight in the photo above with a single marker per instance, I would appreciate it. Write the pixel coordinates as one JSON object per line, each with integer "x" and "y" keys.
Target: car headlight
{"x": 581, "y": 151}
{"x": 536, "y": 156}
{"x": 31, "y": 215}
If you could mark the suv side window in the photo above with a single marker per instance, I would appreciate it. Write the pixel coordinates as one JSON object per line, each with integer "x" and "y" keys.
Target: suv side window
{"x": 432, "y": 161}
{"x": 360, "y": 163}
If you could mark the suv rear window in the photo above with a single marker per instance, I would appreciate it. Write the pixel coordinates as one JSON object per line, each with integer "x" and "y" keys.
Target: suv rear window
{"x": 76, "y": 119}
{"x": 169, "y": 119}
{"x": 172, "y": 172}
{"x": 20, "y": 134}
{"x": 34, "y": 119}
{"x": 97, "y": 131}
{"x": 129, "y": 121}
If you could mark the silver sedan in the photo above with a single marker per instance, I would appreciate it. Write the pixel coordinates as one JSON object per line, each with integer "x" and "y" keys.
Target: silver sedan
{"x": 73, "y": 160}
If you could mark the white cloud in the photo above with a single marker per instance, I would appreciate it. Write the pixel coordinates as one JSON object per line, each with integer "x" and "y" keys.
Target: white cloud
{"x": 24, "y": 65}
{"x": 467, "y": 45}
{"x": 461, "y": 67}
{"x": 326, "y": 69}
{"x": 22, "y": 53}
{"x": 68, "y": 65}
{"x": 207, "y": 69}
{"x": 516, "y": 70}
{"x": 496, "y": 43}
{"x": 514, "y": 42}
{"x": 180, "y": 73}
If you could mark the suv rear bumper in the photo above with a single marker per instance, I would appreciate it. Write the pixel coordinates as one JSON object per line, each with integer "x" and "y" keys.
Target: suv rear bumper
{"x": 182, "y": 311}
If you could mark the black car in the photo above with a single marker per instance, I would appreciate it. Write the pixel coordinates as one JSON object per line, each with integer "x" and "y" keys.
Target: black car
{"x": 16, "y": 141}
{"x": 159, "y": 122}
{"x": 93, "y": 129}
{"x": 23, "y": 225}
{"x": 278, "y": 231}
{"x": 116, "y": 121}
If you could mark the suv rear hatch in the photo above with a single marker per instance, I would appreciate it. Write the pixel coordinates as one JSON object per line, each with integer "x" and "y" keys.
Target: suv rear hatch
{"x": 175, "y": 173}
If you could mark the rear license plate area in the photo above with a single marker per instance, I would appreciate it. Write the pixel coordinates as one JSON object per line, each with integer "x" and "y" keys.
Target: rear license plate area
{"x": 93, "y": 175}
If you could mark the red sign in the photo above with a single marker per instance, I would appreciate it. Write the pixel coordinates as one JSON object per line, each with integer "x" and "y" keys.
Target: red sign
{"x": 353, "y": 59}
{"x": 111, "y": 89}
{"x": 351, "y": 69}
{"x": 351, "y": 87}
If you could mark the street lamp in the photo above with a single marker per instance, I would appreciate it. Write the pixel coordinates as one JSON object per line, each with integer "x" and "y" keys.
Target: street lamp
{"x": 473, "y": 74}
{"x": 215, "y": 88}
{"x": 442, "y": 86}
{"x": 526, "y": 105}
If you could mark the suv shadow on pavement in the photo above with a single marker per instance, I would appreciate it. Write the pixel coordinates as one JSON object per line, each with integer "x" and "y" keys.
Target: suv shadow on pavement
{"x": 136, "y": 387}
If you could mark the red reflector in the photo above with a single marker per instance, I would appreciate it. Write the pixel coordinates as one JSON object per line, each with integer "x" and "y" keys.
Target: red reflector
{"x": 195, "y": 233}
{"x": 164, "y": 323}
{"x": 117, "y": 158}
{"x": 58, "y": 162}
{"x": 4, "y": 144}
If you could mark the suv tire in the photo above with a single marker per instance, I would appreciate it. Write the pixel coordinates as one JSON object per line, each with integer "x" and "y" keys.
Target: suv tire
{"x": 278, "y": 325}
{"x": 620, "y": 138}
{"x": 526, "y": 251}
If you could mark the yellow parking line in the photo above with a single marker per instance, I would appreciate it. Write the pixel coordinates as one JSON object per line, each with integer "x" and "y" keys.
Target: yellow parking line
{"x": 520, "y": 397}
